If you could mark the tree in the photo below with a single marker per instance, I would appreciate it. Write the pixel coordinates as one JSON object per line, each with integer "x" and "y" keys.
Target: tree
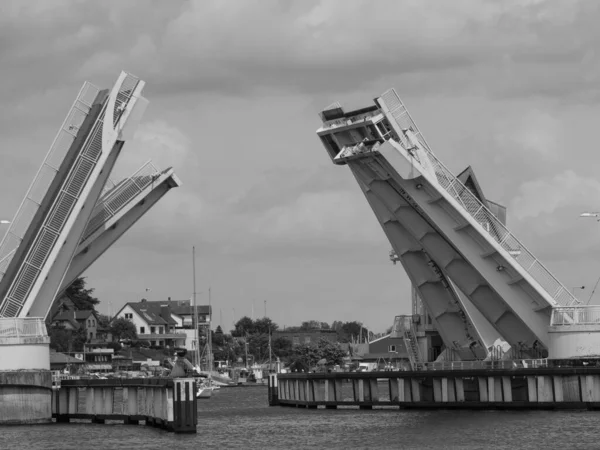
{"x": 80, "y": 296}
{"x": 281, "y": 347}
{"x": 331, "y": 351}
{"x": 307, "y": 356}
{"x": 243, "y": 326}
{"x": 264, "y": 326}
{"x": 219, "y": 330}
{"x": 122, "y": 328}
{"x": 352, "y": 330}
{"x": 337, "y": 325}
{"x": 63, "y": 340}
{"x": 103, "y": 321}
{"x": 258, "y": 346}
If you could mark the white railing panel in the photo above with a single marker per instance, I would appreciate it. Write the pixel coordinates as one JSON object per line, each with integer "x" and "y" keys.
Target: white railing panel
{"x": 575, "y": 315}
{"x": 22, "y": 327}
{"x": 117, "y": 198}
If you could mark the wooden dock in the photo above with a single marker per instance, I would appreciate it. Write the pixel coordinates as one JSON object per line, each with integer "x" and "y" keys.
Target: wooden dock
{"x": 535, "y": 388}
{"x": 168, "y": 403}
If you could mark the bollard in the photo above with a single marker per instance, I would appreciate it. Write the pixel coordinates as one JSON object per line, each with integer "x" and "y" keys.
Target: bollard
{"x": 273, "y": 393}
{"x": 185, "y": 414}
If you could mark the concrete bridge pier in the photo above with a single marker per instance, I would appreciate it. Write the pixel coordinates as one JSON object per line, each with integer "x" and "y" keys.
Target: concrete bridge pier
{"x": 25, "y": 377}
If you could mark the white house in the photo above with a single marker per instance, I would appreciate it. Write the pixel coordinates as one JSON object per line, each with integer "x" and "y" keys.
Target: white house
{"x": 165, "y": 323}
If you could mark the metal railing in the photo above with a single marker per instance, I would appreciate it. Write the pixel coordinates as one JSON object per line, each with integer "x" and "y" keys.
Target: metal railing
{"x": 404, "y": 327}
{"x": 22, "y": 327}
{"x": 494, "y": 364}
{"x": 46, "y": 173}
{"x": 496, "y": 230}
{"x": 61, "y": 209}
{"x": 575, "y": 315}
{"x": 115, "y": 199}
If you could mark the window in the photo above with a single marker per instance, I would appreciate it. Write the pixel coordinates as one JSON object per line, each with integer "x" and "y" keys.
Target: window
{"x": 152, "y": 330}
{"x": 160, "y": 330}
{"x": 142, "y": 330}
{"x": 307, "y": 340}
{"x": 128, "y": 315}
{"x": 295, "y": 340}
{"x": 391, "y": 348}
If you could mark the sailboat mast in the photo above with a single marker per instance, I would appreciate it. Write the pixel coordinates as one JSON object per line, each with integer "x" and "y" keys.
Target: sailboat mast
{"x": 195, "y": 321}
{"x": 210, "y": 362}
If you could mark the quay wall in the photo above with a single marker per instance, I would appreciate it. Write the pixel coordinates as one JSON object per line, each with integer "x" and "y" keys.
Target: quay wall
{"x": 537, "y": 388}
{"x": 25, "y": 397}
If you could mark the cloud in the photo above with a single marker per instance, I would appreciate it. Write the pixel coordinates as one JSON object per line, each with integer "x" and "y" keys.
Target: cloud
{"x": 533, "y": 132}
{"x": 157, "y": 140}
{"x": 546, "y": 196}
{"x": 242, "y": 48}
{"x": 339, "y": 216}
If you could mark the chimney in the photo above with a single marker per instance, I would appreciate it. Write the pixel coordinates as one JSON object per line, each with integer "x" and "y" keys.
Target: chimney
{"x": 165, "y": 312}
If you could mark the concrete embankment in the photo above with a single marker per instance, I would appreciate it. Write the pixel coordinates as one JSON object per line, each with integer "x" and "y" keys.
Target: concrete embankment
{"x": 25, "y": 397}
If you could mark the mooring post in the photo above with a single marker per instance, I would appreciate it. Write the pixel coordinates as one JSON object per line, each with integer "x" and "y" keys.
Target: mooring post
{"x": 273, "y": 392}
{"x": 185, "y": 405}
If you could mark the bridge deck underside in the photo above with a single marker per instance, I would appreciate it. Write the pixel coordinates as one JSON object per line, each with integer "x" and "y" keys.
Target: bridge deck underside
{"x": 411, "y": 210}
{"x": 441, "y": 300}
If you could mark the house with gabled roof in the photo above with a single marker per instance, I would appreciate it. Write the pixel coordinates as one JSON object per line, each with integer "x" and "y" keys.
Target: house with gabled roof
{"x": 166, "y": 323}
{"x": 71, "y": 319}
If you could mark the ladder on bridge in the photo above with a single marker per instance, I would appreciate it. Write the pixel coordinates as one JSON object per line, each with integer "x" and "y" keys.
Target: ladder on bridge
{"x": 414, "y": 355}
{"x": 403, "y": 327}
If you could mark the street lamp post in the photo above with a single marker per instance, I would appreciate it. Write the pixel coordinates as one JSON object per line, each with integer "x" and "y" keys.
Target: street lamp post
{"x": 4, "y": 222}
{"x": 595, "y": 215}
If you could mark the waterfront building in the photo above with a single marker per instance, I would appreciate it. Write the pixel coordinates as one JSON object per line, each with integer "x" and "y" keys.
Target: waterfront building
{"x": 75, "y": 320}
{"x": 166, "y": 323}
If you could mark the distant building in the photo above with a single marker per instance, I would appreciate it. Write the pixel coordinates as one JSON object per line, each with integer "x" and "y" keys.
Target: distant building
{"x": 99, "y": 359}
{"x": 168, "y": 323}
{"x": 387, "y": 352}
{"x": 64, "y": 362}
{"x": 76, "y": 320}
{"x": 308, "y": 337}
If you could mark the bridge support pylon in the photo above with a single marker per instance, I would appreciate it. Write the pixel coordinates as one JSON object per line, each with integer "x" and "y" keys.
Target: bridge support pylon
{"x": 25, "y": 377}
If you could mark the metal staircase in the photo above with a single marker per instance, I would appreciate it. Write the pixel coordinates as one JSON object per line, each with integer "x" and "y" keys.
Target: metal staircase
{"x": 404, "y": 328}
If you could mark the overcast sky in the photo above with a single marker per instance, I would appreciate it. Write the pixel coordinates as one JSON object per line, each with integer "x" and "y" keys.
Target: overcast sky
{"x": 511, "y": 88}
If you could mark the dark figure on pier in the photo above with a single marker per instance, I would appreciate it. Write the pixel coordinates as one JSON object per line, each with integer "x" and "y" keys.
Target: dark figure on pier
{"x": 182, "y": 368}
